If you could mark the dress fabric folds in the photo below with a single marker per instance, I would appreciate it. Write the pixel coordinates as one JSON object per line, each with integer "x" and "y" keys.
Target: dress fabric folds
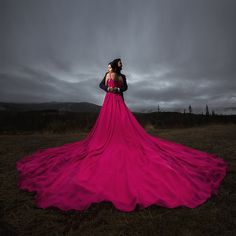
{"x": 119, "y": 162}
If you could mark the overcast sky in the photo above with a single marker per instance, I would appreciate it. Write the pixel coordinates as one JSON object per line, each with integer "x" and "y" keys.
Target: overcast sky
{"x": 175, "y": 53}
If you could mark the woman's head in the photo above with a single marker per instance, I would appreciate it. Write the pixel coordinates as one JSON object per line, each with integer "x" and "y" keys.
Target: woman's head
{"x": 112, "y": 67}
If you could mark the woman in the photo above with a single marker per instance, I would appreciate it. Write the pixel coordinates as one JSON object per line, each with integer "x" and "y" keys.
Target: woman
{"x": 111, "y": 70}
{"x": 121, "y": 163}
{"x": 118, "y": 65}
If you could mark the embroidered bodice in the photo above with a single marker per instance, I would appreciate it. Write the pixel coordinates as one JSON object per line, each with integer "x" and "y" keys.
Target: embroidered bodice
{"x": 113, "y": 83}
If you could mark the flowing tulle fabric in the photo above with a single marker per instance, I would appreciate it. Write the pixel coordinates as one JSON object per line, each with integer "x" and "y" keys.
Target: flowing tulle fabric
{"x": 120, "y": 162}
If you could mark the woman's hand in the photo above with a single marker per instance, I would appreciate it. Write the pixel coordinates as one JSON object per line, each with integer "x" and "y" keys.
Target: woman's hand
{"x": 115, "y": 89}
{"x": 111, "y": 89}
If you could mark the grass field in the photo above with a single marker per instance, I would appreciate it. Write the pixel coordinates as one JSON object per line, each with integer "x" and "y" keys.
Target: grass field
{"x": 20, "y": 216}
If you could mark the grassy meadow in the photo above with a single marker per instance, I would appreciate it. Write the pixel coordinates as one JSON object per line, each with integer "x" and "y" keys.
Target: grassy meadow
{"x": 20, "y": 216}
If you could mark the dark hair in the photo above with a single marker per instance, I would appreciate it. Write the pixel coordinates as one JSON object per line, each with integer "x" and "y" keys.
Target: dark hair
{"x": 113, "y": 66}
{"x": 115, "y": 62}
{"x": 115, "y": 69}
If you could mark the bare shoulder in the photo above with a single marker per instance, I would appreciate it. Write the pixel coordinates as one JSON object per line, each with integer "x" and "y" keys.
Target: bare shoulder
{"x": 113, "y": 74}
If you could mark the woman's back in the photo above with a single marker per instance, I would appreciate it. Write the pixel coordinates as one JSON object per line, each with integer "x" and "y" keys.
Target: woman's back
{"x": 114, "y": 80}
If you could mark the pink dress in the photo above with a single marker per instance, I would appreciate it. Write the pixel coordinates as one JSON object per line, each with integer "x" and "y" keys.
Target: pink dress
{"x": 120, "y": 162}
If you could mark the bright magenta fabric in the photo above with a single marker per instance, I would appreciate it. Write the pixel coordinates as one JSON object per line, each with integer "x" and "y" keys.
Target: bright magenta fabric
{"x": 121, "y": 163}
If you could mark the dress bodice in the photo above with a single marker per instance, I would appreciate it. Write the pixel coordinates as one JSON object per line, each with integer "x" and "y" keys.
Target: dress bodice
{"x": 113, "y": 83}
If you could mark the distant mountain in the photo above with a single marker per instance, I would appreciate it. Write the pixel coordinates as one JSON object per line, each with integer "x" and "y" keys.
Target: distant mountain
{"x": 56, "y": 106}
{"x": 90, "y": 107}
{"x": 195, "y": 110}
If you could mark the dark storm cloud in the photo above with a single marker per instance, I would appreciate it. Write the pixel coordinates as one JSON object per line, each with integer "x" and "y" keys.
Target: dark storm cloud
{"x": 35, "y": 85}
{"x": 175, "y": 53}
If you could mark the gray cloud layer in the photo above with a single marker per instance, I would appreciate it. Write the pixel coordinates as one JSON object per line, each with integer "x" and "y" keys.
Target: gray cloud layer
{"x": 175, "y": 53}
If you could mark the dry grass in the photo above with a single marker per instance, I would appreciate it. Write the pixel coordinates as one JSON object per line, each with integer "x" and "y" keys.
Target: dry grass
{"x": 20, "y": 216}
